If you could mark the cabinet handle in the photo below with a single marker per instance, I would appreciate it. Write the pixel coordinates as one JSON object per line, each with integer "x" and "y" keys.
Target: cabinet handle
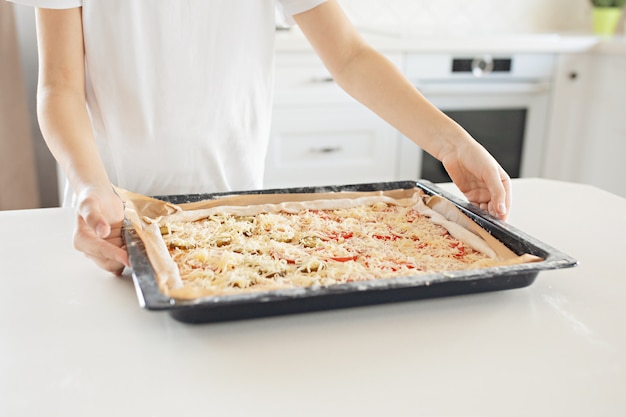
{"x": 322, "y": 80}
{"x": 326, "y": 150}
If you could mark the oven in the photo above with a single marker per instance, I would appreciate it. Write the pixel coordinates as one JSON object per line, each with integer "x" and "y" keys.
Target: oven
{"x": 501, "y": 100}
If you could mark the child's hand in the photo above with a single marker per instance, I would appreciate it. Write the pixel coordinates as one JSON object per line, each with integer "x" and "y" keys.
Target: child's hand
{"x": 98, "y": 232}
{"x": 483, "y": 181}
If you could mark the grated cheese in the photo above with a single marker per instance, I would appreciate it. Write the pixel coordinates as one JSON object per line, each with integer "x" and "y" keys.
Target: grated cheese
{"x": 227, "y": 252}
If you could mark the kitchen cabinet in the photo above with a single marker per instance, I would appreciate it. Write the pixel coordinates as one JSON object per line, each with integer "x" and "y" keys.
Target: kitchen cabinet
{"x": 322, "y": 136}
{"x": 587, "y": 132}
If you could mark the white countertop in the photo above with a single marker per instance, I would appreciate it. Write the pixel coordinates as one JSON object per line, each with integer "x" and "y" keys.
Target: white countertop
{"x": 293, "y": 40}
{"x": 74, "y": 341}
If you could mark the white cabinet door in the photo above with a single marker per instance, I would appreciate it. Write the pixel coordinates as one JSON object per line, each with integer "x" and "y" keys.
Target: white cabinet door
{"x": 334, "y": 145}
{"x": 322, "y": 136}
{"x": 605, "y": 137}
{"x": 587, "y": 137}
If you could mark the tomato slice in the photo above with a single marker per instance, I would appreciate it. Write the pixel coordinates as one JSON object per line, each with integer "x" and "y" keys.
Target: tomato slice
{"x": 337, "y": 236}
{"x": 280, "y": 257}
{"x": 345, "y": 258}
{"x": 412, "y": 215}
{"x": 401, "y": 264}
{"x": 386, "y": 237}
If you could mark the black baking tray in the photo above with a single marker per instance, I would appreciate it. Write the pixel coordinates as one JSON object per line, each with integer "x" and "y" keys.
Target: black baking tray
{"x": 300, "y": 300}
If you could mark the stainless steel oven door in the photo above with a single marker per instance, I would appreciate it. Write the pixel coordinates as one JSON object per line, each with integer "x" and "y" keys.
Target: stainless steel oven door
{"x": 507, "y": 117}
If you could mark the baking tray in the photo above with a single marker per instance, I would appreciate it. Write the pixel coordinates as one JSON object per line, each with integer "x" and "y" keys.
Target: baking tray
{"x": 300, "y": 300}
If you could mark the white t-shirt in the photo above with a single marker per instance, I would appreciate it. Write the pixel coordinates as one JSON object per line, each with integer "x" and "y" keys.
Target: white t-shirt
{"x": 180, "y": 92}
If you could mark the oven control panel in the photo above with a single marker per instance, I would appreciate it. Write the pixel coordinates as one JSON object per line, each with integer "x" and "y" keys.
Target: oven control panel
{"x": 481, "y": 65}
{"x": 523, "y": 66}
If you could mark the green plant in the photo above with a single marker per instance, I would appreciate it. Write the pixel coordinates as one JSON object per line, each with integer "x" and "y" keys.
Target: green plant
{"x": 608, "y": 3}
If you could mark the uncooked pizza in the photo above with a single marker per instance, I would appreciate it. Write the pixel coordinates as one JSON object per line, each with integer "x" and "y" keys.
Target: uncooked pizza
{"x": 226, "y": 249}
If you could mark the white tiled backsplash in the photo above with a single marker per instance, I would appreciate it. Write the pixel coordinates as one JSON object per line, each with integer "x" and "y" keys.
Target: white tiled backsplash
{"x": 453, "y": 17}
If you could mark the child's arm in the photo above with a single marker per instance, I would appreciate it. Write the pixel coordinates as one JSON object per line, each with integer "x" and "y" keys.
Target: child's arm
{"x": 66, "y": 127}
{"x": 374, "y": 81}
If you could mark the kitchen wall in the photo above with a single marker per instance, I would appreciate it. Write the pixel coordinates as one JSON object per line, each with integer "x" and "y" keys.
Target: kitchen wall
{"x": 428, "y": 17}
